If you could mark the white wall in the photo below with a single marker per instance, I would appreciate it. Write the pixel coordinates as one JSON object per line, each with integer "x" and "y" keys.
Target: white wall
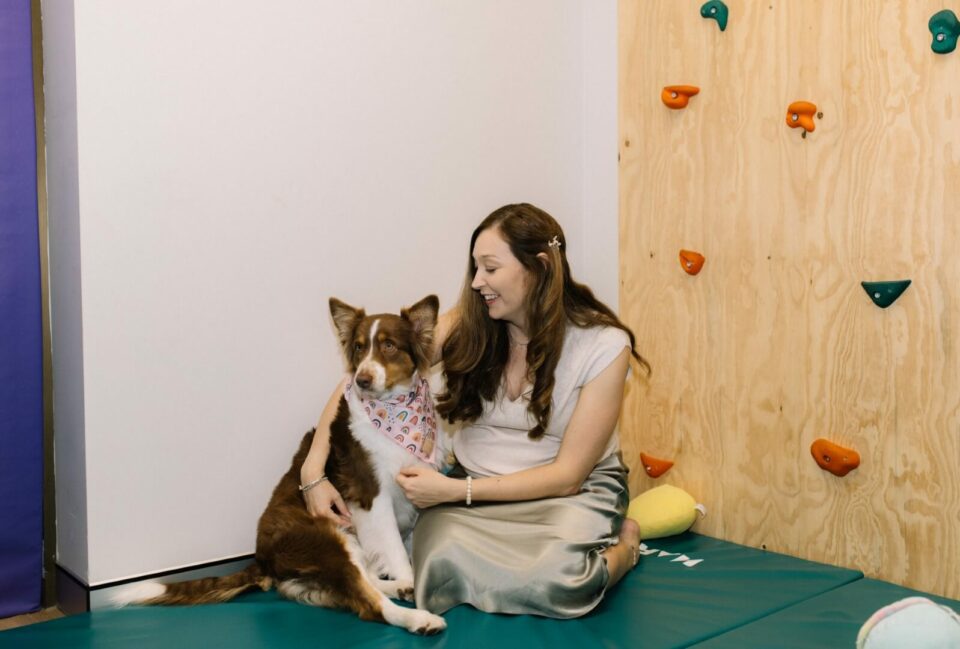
{"x": 219, "y": 169}
{"x": 598, "y": 264}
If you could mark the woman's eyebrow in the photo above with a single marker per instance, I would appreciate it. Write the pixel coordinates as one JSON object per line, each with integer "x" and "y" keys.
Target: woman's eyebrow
{"x": 486, "y": 258}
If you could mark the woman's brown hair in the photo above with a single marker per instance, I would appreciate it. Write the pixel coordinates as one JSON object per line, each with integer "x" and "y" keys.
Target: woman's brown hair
{"x": 476, "y": 351}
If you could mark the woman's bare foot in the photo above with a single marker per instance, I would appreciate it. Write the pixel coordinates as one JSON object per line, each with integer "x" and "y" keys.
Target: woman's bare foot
{"x": 630, "y": 536}
{"x": 624, "y": 555}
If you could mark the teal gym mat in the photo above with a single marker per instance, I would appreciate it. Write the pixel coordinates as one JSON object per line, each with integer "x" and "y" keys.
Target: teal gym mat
{"x": 699, "y": 587}
{"x": 665, "y": 604}
{"x": 829, "y": 620}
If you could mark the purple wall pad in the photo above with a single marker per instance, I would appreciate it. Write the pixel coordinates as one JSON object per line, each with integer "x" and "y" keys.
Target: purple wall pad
{"x": 21, "y": 362}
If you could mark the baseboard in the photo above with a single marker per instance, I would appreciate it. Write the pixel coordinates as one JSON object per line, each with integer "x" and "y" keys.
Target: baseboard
{"x": 74, "y": 596}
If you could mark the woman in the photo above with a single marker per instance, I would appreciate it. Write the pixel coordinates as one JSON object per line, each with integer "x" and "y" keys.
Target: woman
{"x": 535, "y": 368}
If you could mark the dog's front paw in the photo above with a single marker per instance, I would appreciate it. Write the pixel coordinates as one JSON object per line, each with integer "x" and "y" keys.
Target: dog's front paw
{"x": 396, "y": 588}
{"x": 405, "y": 593}
{"x": 425, "y": 623}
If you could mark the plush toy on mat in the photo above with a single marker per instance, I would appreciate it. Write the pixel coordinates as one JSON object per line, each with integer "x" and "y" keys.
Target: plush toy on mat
{"x": 914, "y": 622}
{"x": 664, "y": 511}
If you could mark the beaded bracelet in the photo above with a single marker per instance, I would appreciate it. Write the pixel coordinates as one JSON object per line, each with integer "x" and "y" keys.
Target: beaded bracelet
{"x": 469, "y": 490}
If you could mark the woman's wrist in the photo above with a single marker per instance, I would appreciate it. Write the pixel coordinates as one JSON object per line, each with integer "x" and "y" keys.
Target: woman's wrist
{"x": 454, "y": 490}
{"x": 306, "y": 486}
{"x": 310, "y": 472}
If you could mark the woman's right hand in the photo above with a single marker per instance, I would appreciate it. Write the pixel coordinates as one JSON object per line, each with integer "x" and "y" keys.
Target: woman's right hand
{"x": 324, "y": 501}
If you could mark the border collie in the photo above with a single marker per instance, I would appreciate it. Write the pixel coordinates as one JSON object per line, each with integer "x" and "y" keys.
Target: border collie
{"x": 385, "y": 421}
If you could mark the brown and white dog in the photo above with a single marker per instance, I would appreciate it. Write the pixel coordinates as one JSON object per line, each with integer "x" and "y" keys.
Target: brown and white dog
{"x": 377, "y": 431}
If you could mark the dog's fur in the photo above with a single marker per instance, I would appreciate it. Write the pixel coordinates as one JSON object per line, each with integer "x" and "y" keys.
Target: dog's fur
{"x": 312, "y": 560}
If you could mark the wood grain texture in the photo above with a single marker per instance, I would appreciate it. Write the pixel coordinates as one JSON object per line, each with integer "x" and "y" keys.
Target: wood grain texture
{"x": 774, "y": 343}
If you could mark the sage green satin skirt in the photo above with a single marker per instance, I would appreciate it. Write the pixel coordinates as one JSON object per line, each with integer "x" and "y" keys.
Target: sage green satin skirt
{"x": 539, "y": 557}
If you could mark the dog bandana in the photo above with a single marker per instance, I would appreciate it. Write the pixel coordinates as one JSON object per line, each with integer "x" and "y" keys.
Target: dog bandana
{"x": 408, "y": 419}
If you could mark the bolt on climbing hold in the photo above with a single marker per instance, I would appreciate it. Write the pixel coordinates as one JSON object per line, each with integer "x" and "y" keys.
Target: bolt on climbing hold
{"x": 716, "y": 10}
{"x": 945, "y": 29}
{"x": 800, "y": 115}
{"x": 884, "y": 294}
{"x": 655, "y": 467}
{"x": 678, "y": 96}
{"x": 834, "y": 458}
{"x": 691, "y": 261}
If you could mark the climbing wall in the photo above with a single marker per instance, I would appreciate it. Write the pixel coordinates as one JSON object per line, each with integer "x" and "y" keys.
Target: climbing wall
{"x": 774, "y": 343}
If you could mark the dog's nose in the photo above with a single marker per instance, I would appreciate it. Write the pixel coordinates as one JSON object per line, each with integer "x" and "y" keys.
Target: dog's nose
{"x": 363, "y": 381}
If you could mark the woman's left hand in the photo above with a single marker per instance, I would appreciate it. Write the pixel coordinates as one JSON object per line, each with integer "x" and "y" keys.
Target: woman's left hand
{"x": 425, "y": 487}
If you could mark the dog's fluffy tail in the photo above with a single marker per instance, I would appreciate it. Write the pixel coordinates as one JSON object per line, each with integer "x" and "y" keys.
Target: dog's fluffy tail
{"x": 197, "y": 591}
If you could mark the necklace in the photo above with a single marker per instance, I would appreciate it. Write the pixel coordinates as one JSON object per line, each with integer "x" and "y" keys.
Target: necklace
{"x": 513, "y": 341}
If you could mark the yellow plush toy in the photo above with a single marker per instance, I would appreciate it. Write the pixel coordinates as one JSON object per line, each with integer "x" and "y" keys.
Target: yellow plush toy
{"x": 664, "y": 511}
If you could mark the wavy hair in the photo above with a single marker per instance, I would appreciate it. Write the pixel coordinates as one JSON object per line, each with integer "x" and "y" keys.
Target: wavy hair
{"x": 476, "y": 351}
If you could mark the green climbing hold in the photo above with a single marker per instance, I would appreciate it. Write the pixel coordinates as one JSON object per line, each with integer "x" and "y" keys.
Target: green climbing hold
{"x": 945, "y": 29}
{"x": 717, "y": 10}
{"x": 884, "y": 294}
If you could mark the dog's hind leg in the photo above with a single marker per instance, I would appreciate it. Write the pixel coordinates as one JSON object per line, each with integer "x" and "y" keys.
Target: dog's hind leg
{"x": 394, "y": 588}
{"x": 364, "y": 600}
{"x": 375, "y": 568}
{"x": 414, "y": 620}
{"x": 348, "y": 587}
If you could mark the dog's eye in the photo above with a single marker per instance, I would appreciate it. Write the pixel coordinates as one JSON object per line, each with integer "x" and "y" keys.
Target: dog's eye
{"x": 357, "y": 346}
{"x": 388, "y": 346}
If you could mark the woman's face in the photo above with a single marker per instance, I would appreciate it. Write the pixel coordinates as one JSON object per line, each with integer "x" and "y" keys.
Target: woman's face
{"x": 500, "y": 279}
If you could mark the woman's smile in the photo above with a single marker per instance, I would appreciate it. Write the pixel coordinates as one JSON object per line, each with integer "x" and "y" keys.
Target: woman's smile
{"x": 500, "y": 278}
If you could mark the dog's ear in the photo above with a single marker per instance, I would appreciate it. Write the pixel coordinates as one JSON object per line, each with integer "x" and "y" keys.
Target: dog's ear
{"x": 345, "y": 319}
{"x": 423, "y": 317}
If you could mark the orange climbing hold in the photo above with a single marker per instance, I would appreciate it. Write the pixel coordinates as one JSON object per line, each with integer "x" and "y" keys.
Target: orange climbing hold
{"x": 834, "y": 458}
{"x": 800, "y": 115}
{"x": 691, "y": 261}
{"x": 655, "y": 467}
{"x": 678, "y": 96}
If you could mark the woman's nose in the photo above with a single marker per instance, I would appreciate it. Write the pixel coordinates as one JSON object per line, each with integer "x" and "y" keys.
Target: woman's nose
{"x": 476, "y": 284}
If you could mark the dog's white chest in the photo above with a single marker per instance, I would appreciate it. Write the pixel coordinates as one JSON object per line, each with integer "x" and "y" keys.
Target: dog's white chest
{"x": 387, "y": 458}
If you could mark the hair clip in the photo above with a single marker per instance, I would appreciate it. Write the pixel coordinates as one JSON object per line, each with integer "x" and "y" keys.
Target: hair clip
{"x": 554, "y": 242}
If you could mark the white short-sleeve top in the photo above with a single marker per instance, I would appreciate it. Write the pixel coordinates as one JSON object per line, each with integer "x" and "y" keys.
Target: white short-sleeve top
{"x": 497, "y": 442}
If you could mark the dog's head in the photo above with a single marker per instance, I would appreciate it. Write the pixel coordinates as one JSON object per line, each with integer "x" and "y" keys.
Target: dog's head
{"x": 385, "y": 350}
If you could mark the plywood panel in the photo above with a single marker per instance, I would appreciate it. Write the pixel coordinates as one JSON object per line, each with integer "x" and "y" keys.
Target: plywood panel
{"x": 775, "y": 344}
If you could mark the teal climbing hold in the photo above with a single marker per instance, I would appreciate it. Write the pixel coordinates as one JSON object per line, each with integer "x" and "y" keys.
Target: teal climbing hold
{"x": 716, "y": 10}
{"x": 945, "y": 29}
{"x": 884, "y": 294}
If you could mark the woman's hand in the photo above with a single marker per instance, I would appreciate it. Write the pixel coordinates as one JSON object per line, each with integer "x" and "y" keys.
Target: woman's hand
{"x": 425, "y": 487}
{"x": 324, "y": 501}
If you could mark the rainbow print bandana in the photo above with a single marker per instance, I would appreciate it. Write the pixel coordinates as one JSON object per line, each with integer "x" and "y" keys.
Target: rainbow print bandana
{"x": 408, "y": 419}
